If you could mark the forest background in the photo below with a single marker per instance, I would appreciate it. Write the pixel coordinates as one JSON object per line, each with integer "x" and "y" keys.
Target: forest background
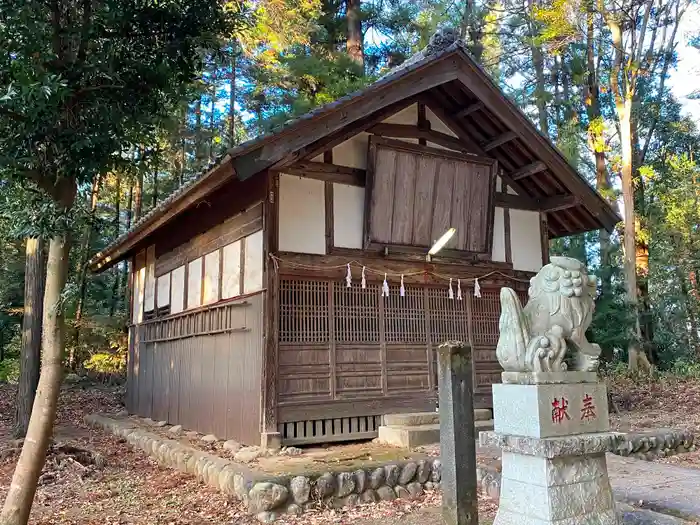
{"x": 593, "y": 76}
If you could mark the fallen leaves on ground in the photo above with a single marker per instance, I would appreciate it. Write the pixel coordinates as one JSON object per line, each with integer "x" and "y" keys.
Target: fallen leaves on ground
{"x": 669, "y": 402}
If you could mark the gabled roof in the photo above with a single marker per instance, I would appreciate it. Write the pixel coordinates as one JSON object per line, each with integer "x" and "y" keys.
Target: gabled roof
{"x": 458, "y": 91}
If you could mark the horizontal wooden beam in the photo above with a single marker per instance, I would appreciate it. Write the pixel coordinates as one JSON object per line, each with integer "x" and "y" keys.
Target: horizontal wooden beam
{"x": 500, "y": 140}
{"x": 517, "y": 202}
{"x": 547, "y": 204}
{"x": 526, "y": 171}
{"x": 415, "y": 132}
{"x": 327, "y": 172}
{"x": 470, "y": 109}
{"x": 559, "y": 202}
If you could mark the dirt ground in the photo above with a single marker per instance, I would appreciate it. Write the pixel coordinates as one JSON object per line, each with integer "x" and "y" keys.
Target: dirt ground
{"x": 125, "y": 487}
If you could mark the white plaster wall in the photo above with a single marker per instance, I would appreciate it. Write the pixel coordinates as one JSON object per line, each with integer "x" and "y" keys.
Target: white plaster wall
{"x": 177, "y": 290}
{"x": 499, "y": 183}
{"x": 194, "y": 283}
{"x": 163, "y": 287}
{"x": 405, "y": 116}
{"x": 253, "y": 266}
{"x": 302, "y": 215}
{"x": 526, "y": 243}
{"x": 231, "y": 278}
{"x": 348, "y": 215}
{"x": 211, "y": 277}
{"x": 436, "y": 124}
{"x": 499, "y": 240}
{"x": 352, "y": 152}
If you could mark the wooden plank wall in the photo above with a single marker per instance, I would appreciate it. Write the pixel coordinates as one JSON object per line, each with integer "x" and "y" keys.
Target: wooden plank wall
{"x": 415, "y": 194}
{"x": 201, "y": 369}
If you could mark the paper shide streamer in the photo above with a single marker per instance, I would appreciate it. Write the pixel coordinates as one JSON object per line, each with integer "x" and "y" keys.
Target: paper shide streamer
{"x": 385, "y": 287}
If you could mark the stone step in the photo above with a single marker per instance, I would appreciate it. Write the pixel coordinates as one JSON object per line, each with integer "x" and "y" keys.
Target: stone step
{"x": 419, "y": 435}
{"x": 413, "y": 419}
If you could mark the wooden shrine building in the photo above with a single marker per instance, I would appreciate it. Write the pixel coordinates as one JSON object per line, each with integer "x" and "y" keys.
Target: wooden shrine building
{"x": 243, "y": 324}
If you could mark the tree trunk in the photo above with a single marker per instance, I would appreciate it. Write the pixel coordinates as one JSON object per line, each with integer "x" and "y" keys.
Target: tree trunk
{"x": 138, "y": 196}
{"x": 30, "y": 355}
{"x": 117, "y": 210}
{"x": 20, "y": 496}
{"x": 155, "y": 183}
{"x": 212, "y": 119}
{"x": 355, "y": 45}
{"x": 596, "y": 142}
{"x": 692, "y": 320}
{"x": 82, "y": 277}
{"x": 125, "y": 266}
{"x": 538, "y": 64}
{"x": 232, "y": 98}
{"x": 198, "y": 135}
{"x": 637, "y": 360}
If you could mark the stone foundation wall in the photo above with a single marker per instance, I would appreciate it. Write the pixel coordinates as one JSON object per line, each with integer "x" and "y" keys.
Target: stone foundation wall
{"x": 268, "y": 496}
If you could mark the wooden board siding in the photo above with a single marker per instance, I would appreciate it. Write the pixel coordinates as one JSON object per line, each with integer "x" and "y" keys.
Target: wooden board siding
{"x": 201, "y": 369}
{"x": 351, "y": 353}
{"x": 416, "y": 193}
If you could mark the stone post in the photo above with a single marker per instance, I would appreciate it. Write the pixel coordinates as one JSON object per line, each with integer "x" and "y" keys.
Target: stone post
{"x": 457, "y": 440}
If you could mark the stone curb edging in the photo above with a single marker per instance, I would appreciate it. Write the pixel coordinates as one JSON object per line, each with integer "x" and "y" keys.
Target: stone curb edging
{"x": 656, "y": 444}
{"x": 268, "y": 496}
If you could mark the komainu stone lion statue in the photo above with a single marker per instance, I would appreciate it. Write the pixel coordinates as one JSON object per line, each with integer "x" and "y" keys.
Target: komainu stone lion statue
{"x": 549, "y": 333}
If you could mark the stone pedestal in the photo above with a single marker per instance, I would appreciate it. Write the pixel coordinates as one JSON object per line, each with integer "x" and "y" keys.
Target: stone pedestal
{"x": 553, "y": 438}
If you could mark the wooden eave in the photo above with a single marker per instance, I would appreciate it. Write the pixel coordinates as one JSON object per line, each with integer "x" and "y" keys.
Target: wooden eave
{"x": 460, "y": 93}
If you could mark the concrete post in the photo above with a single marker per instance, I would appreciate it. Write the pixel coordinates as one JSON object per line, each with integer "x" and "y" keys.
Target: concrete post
{"x": 457, "y": 440}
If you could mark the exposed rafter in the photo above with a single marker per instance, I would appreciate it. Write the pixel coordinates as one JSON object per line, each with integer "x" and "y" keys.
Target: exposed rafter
{"x": 473, "y": 108}
{"x": 530, "y": 169}
{"x": 500, "y": 140}
{"x": 559, "y": 202}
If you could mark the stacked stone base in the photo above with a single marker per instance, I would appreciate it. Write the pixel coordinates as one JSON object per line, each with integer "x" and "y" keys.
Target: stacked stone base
{"x": 553, "y": 435}
{"x": 562, "y": 480}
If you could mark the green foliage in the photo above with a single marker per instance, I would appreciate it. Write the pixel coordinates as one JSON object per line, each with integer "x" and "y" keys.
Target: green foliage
{"x": 105, "y": 344}
{"x": 107, "y": 363}
{"x": 9, "y": 370}
{"x": 80, "y": 86}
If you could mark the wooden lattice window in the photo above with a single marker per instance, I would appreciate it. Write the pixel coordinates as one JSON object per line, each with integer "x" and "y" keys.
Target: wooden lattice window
{"x": 486, "y": 314}
{"x": 417, "y": 193}
{"x": 303, "y": 311}
{"x": 356, "y": 313}
{"x": 404, "y": 317}
{"x": 449, "y": 318}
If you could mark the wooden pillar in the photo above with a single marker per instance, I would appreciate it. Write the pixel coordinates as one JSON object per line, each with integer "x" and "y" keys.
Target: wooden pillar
{"x": 457, "y": 440}
{"x": 270, "y": 436}
{"x": 544, "y": 234}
